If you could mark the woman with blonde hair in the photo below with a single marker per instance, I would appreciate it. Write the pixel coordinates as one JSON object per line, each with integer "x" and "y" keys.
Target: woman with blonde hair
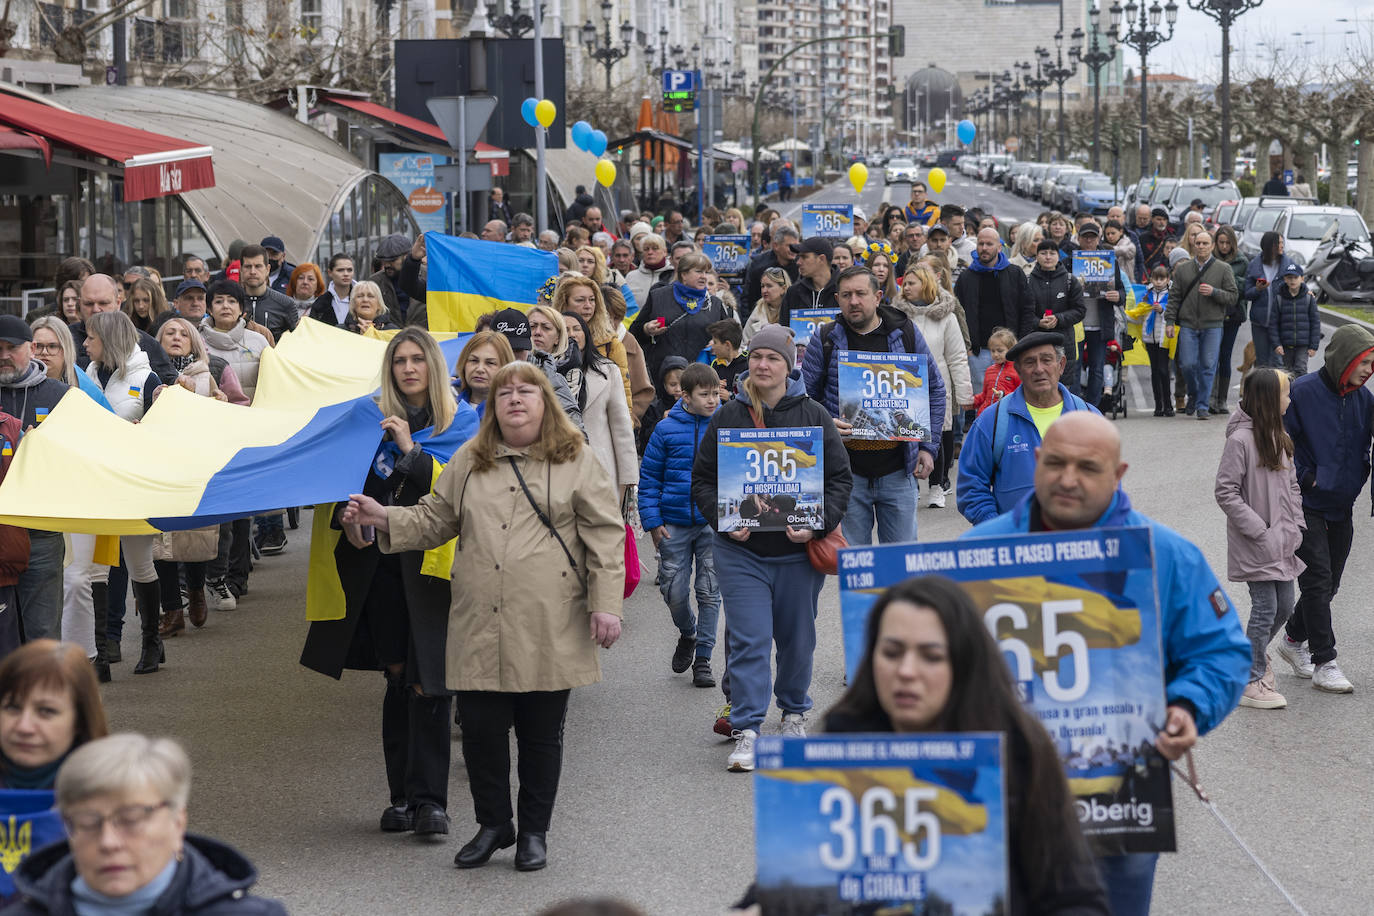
{"x": 367, "y": 309}
{"x": 198, "y": 371}
{"x": 944, "y": 278}
{"x": 773, "y": 286}
{"x": 54, "y": 348}
{"x": 144, "y": 302}
{"x": 1024, "y": 240}
{"x": 396, "y": 607}
{"x": 591, "y": 262}
{"x": 543, "y": 548}
{"x": 582, "y": 296}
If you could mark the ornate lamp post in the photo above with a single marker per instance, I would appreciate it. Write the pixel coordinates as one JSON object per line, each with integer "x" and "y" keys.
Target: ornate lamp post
{"x": 513, "y": 24}
{"x": 1038, "y": 84}
{"x": 1225, "y": 13}
{"x": 607, "y": 53}
{"x": 1097, "y": 59}
{"x": 1060, "y": 73}
{"x": 1143, "y": 34}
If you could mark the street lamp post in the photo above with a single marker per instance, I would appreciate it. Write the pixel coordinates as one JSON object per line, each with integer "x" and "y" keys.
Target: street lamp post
{"x": 1225, "y": 13}
{"x": 513, "y": 24}
{"x": 1060, "y": 73}
{"x": 1039, "y": 83}
{"x": 607, "y": 54}
{"x": 1096, "y": 59}
{"x": 1143, "y": 34}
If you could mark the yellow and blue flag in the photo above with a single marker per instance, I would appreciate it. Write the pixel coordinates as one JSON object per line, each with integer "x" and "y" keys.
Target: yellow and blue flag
{"x": 470, "y": 277}
{"x": 28, "y": 822}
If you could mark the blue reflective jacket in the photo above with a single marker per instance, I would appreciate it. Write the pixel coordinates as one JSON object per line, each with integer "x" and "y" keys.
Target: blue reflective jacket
{"x": 1206, "y": 653}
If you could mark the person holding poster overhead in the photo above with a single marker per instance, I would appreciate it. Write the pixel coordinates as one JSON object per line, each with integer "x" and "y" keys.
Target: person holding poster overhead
{"x": 773, "y": 589}
{"x": 885, "y": 468}
{"x": 1206, "y": 654}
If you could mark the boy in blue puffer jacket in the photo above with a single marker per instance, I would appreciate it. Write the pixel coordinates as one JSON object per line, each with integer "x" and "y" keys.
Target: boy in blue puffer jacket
{"x": 679, "y": 530}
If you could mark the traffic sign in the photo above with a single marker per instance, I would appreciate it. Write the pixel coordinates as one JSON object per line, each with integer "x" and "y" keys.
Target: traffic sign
{"x": 462, "y": 118}
{"x": 1013, "y": 144}
{"x": 679, "y": 90}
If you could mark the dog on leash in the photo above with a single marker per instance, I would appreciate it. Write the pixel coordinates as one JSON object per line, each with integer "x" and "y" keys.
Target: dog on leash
{"x": 1248, "y": 360}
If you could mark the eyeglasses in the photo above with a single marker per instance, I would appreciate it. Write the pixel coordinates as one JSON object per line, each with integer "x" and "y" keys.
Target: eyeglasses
{"x": 126, "y": 821}
{"x": 47, "y": 348}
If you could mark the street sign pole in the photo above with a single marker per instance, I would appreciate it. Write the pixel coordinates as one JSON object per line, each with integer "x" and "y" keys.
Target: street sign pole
{"x": 462, "y": 118}
{"x": 463, "y": 168}
{"x": 541, "y": 190}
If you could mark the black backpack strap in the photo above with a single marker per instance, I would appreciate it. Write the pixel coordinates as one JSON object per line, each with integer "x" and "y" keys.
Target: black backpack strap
{"x": 539, "y": 513}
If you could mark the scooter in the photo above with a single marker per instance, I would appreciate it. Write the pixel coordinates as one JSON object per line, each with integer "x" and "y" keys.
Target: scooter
{"x": 1341, "y": 270}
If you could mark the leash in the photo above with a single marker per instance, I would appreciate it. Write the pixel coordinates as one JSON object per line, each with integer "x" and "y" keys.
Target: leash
{"x": 1191, "y": 779}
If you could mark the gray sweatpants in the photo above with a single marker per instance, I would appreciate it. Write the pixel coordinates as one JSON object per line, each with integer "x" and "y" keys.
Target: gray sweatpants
{"x": 1271, "y": 604}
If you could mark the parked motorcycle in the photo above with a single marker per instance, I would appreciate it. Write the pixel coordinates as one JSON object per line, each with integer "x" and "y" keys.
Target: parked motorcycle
{"x": 1342, "y": 270}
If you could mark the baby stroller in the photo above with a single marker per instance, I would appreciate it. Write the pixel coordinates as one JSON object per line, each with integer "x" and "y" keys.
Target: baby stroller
{"x": 1114, "y": 368}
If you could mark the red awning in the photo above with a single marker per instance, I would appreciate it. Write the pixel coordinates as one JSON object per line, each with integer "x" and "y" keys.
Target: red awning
{"x": 22, "y": 139}
{"x": 484, "y": 151}
{"x": 154, "y": 165}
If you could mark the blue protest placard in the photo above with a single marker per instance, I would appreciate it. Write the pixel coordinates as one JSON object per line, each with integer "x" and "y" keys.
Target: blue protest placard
{"x": 881, "y": 824}
{"x": 729, "y": 254}
{"x": 1077, "y": 618}
{"x": 835, "y": 221}
{"x": 1096, "y": 270}
{"x": 770, "y": 479}
{"x": 805, "y": 321}
{"x": 886, "y": 396}
{"x": 28, "y": 822}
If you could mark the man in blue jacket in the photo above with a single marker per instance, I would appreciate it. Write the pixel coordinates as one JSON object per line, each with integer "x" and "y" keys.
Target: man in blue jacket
{"x": 885, "y": 472}
{"x": 997, "y": 464}
{"x": 1206, "y": 654}
{"x": 1329, "y": 419}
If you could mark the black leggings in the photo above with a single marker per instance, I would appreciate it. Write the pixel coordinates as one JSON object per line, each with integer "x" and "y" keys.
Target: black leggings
{"x": 1159, "y": 373}
{"x": 944, "y": 459}
{"x": 169, "y": 577}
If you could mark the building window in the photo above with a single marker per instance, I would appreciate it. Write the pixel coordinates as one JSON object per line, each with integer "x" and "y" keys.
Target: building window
{"x": 312, "y": 16}
{"x": 145, "y": 39}
{"x": 177, "y": 9}
{"x": 50, "y": 23}
{"x": 175, "y": 39}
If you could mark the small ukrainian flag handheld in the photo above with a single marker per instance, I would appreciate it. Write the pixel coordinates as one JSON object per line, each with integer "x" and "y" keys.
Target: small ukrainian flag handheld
{"x": 6, "y": 449}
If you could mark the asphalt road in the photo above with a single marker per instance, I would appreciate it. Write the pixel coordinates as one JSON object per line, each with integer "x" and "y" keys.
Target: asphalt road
{"x": 288, "y": 763}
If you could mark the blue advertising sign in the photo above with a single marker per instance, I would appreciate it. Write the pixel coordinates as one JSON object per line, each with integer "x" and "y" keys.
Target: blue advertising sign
{"x": 1077, "y": 618}
{"x": 827, "y": 221}
{"x": 729, "y": 254}
{"x": 1096, "y": 270}
{"x": 679, "y": 80}
{"x": 881, "y": 823}
{"x": 886, "y": 396}
{"x": 770, "y": 479}
{"x": 805, "y": 321}
{"x": 413, "y": 174}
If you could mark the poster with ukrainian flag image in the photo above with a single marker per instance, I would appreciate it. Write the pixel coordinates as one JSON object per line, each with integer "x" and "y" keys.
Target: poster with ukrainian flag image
{"x": 1096, "y": 270}
{"x": 729, "y": 254}
{"x": 868, "y": 824}
{"x": 770, "y": 479}
{"x": 804, "y": 323}
{"x": 1076, "y": 616}
{"x": 886, "y": 396}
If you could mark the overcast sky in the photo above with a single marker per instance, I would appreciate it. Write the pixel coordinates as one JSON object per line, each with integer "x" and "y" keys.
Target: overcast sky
{"x": 1196, "y": 46}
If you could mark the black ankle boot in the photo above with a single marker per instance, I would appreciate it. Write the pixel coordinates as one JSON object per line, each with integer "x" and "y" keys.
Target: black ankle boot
{"x": 100, "y": 601}
{"x": 148, "y": 597}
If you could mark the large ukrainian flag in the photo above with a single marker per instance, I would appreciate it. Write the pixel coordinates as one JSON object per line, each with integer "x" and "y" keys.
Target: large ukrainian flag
{"x": 470, "y": 277}
{"x": 192, "y": 461}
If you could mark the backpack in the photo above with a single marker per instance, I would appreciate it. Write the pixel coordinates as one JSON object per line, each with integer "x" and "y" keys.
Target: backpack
{"x": 1000, "y": 424}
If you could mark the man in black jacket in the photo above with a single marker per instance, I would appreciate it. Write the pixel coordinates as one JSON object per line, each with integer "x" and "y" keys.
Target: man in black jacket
{"x": 279, "y": 273}
{"x": 391, "y": 256}
{"x": 1056, "y": 297}
{"x": 779, "y": 254}
{"x": 816, "y": 287}
{"x": 994, "y": 294}
{"x": 269, "y": 308}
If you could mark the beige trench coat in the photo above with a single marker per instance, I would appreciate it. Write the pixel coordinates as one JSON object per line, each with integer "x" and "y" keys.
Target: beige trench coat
{"x": 519, "y": 620}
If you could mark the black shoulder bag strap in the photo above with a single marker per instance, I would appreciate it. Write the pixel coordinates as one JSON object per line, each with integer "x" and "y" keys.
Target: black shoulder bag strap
{"x": 539, "y": 513}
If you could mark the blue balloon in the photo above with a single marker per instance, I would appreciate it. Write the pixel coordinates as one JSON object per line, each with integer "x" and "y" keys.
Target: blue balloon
{"x": 527, "y": 111}
{"x": 967, "y": 131}
{"x": 581, "y": 133}
{"x": 597, "y": 144}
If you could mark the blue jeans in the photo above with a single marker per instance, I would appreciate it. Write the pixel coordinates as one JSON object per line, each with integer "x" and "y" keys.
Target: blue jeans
{"x": 771, "y": 601}
{"x": 1129, "y": 881}
{"x": 1197, "y": 355}
{"x": 978, "y": 363}
{"x": 675, "y": 554}
{"x": 891, "y": 499}
{"x": 1094, "y": 358}
{"x": 1264, "y": 350}
{"x": 40, "y": 586}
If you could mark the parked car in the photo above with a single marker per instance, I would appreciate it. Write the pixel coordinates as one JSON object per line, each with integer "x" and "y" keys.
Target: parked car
{"x": 1046, "y": 191}
{"x": 1224, "y": 213}
{"x": 1157, "y": 191}
{"x": 1059, "y": 194}
{"x": 1258, "y": 215}
{"x": 993, "y": 166}
{"x": 1303, "y": 226}
{"x": 1013, "y": 171}
{"x": 1093, "y": 193}
{"x": 1028, "y": 184}
{"x": 1186, "y": 190}
{"x": 949, "y": 158}
{"x": 900, "y": 170}
{"x": 969, "y": 165}
{"x": 928, "y": 160}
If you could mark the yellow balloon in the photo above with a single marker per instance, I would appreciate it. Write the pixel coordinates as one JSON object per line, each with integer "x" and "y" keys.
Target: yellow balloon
{"x": 605, "y": 173}
{"x": 936, "y": 179}
{"x": 545, "y": 112}
{"x": 858, "y": 176}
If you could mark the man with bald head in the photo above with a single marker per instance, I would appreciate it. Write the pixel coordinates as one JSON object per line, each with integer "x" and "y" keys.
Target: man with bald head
{"x": 1206, "y": 655}
{"x": 100, "y": 293}
{"x": 995, "y": 294}
{"x": 997, "y": 463}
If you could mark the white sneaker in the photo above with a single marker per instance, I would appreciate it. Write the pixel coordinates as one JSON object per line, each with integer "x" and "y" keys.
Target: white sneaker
{"x": 937, "y": 497}
{"x": 221, "y": 596}
{"x": 1258, "y": 695}
{"x": 1296, "y": 654}
{"x": 793, "y": 725}
{"x": 741, "y": 759}
{"x": 1329, "y": 678}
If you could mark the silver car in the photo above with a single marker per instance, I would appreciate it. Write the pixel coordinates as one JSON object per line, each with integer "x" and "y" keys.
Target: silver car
{"x": 1302, "y": 228}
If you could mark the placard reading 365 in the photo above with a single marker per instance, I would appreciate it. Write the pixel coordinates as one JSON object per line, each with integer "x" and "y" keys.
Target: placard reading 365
{"x": 770, "y": 479}
{"x": 885, "y": 395}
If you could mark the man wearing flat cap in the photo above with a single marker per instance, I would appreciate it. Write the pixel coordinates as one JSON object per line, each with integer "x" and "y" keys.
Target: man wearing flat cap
{"x": 391, "y": 258}
{"x": 997, "y": 464}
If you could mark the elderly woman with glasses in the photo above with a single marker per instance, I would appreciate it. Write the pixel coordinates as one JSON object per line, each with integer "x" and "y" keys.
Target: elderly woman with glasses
{"x": 123, "y": 801}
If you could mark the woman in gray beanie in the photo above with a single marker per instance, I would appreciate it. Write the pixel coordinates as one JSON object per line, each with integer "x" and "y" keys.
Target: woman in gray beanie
{"x": 773, "y": 587}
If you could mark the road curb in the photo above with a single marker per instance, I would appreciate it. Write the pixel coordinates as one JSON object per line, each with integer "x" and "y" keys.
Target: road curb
{"x": 1340, "y": 318}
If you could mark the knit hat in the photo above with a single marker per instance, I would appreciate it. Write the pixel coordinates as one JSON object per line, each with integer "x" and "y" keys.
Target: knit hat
{"x": 638, "y": 229}
{"x": 779, "y": 339}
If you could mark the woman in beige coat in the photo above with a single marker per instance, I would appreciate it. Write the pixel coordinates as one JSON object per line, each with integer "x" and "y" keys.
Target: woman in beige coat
{"x": 538, "y": 576}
